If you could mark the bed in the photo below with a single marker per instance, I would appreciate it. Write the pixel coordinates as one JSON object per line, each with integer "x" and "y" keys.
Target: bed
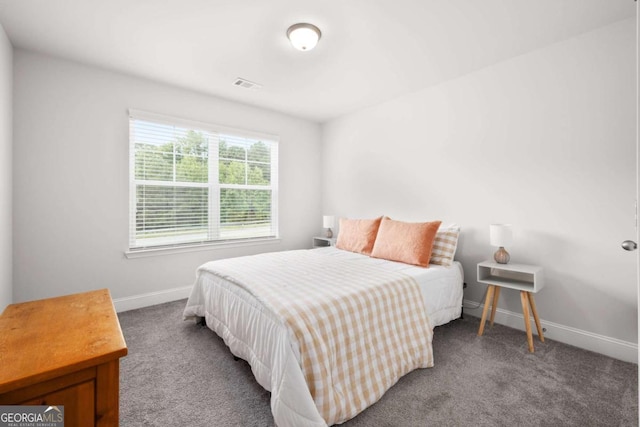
{"x": 236, "y": 299}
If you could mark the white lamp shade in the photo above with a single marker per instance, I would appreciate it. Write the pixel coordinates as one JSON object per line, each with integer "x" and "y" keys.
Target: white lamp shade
{"x": 500, "y": 235}
{"x": 328, "y": 221}
{"x": 303, "y": 36}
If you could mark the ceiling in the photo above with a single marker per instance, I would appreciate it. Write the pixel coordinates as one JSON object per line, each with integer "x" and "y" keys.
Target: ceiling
{"x": 370, "y": 51}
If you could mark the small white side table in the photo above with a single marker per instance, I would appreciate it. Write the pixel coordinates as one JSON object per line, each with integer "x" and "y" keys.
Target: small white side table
{"x": 322, "y": 242}
{"x": 528, "y": 279}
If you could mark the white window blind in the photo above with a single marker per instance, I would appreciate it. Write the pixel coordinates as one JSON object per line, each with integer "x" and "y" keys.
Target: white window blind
{"x": 194, "y": 183}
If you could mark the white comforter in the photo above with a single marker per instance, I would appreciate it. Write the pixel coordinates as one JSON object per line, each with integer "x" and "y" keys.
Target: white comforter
{"x": 259, "y": 336}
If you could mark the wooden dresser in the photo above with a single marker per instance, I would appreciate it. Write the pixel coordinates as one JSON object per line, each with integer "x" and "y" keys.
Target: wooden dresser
{"x": 63, "y": 351}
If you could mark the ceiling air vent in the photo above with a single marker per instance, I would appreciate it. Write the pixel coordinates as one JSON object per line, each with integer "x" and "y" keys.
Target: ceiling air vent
{"x": 246, "y": 84}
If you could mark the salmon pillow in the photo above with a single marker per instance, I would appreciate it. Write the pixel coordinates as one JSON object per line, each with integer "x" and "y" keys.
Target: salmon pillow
{"x": 358, "y": 235}
{"x": 406, "y": 242}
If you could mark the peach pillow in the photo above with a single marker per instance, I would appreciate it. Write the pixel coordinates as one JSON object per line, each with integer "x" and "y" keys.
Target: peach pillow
{"x": 406, "y": 242}
{"x": 358, "y": 235}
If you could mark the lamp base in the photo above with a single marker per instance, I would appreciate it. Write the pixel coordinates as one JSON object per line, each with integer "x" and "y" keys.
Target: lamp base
{"x": 328, "y": 234}
{"x": 502, "y": 256}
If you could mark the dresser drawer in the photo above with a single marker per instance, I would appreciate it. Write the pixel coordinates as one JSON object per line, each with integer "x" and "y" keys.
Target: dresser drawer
{"x": 78, "y": 402}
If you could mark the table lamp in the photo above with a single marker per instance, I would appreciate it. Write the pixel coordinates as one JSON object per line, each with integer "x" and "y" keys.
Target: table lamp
{"x": 500, "y": 235}
{"x": 328, "y": 221}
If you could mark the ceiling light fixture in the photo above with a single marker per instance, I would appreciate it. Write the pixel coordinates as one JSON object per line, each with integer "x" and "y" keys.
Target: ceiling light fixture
{"x": 304, "y": 36}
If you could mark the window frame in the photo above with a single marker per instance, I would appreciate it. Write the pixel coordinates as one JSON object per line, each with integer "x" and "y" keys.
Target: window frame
{"x": 214, "y": 187}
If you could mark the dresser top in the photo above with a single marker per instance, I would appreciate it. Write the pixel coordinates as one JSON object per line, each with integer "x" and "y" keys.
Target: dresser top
{"x": 44, "y": 339}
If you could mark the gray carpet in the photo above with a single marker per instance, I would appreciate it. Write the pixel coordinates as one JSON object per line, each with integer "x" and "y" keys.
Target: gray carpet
{"x": 181, "y": 374}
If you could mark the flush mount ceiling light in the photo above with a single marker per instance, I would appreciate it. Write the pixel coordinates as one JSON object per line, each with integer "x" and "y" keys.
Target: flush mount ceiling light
{"x": 304, "y": 36}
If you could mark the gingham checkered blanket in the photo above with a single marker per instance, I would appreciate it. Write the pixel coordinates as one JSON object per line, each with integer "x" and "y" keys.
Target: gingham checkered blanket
{"x": 358, "y": 328}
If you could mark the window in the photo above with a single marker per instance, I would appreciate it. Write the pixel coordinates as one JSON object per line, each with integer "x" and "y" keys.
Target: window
{"x": 193, "y": 183}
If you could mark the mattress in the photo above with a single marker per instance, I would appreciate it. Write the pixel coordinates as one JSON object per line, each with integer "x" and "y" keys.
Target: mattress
{"x": 257, "y": 335}
{"x": 441, "y": 286}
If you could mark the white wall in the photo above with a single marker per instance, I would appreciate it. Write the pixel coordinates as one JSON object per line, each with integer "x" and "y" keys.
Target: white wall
{"x": 6, "y": 108}
{"x": 71, "y": 178}
{"x": 545, "y": 141}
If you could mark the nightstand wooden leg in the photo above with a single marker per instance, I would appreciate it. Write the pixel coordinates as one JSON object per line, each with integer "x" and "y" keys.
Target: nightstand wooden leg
{"x": 532, "y": 302}
{"x": 496, "y": 297}
{"x": 487, "y": 302}
{"x": 527, "y": 321}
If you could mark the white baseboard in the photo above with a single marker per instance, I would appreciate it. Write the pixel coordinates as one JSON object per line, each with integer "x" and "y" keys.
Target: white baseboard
{"x": 612, "y": 347}
{"x": 152, "y": 298}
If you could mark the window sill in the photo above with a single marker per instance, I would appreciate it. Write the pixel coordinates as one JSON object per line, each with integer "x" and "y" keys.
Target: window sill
{"x": 150, "y": 252}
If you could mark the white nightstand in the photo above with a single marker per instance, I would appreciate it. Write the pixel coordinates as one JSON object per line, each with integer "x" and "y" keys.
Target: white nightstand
{"x": 528, "y": 279}
{"x": 323, "y": 242}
